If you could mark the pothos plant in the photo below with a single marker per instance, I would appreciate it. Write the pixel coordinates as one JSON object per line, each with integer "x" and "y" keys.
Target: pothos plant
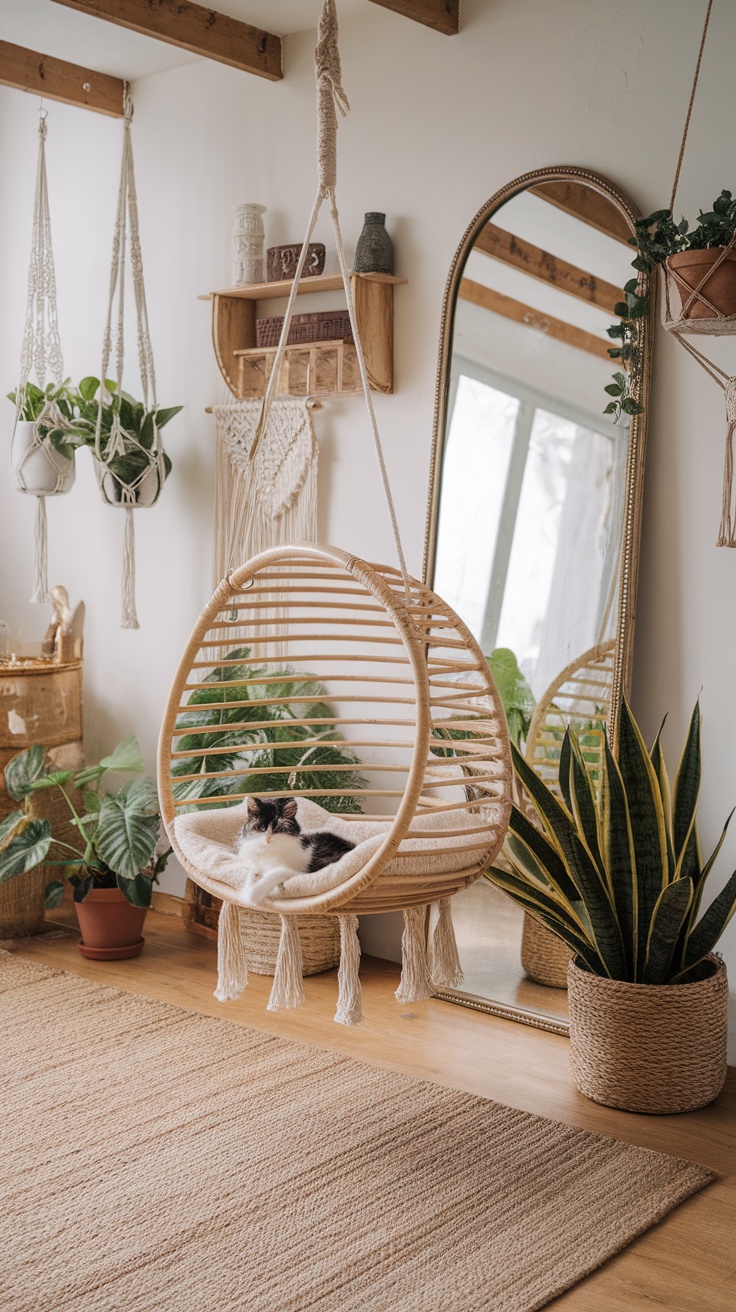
{"x": 31, "y": 403}
{"x": 137, "y": 427}
{"x": 118, "y": 830}
{"x": 656, "y": 238}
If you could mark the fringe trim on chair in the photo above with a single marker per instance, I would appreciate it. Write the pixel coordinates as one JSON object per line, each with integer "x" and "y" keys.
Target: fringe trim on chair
{"x": 416, "y": 983}
{"x": 232, "y": 963}
{"x": 288, "y": 987}
{"x": 41, "y": 559}
{"x": 445, "y": 967}
{"x": 350, "y": 996}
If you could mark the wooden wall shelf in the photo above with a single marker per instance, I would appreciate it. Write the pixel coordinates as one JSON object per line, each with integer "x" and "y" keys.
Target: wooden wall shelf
{"x": 317, "y": 369}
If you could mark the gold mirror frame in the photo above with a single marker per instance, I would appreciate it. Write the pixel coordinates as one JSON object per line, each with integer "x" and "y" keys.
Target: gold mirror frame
{"x": 629, "y": 566}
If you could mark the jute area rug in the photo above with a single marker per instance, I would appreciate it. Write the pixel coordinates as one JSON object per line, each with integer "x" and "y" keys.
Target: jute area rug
{"x": 156, "y": 1160}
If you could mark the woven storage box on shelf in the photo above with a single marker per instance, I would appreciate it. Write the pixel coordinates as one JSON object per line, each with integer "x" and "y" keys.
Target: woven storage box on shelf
{"x": 319, "y": 935}
{"x": 320, "y": 326}
{"x": 657, "y": 1048}
{"x": 544, "y": 956}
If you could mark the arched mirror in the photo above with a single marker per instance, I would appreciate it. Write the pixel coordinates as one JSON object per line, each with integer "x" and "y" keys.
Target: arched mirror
{"x": 535, "y": 504}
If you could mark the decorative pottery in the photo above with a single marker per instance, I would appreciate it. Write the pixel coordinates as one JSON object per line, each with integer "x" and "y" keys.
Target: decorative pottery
{"x": 374, "y": 252}
{"x": 111, "y": 927}
{"x": 688, "y": 269}
{"x": 657, "y": 1048}
{"x": 281, "y": 261}
{"x": 248, "y": 244}
{"x": 39, "y": 470}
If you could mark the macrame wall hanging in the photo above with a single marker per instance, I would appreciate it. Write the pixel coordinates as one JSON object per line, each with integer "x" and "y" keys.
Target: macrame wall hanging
{"x": 114, "y": 440}
{"x": 43, "y": 464}
{"x": 702, "y": 312}
{"x": 271, "y": 499}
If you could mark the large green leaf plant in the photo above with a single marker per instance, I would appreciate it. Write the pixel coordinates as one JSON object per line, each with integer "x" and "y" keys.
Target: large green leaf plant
{"x": 118, "y": 830}
{"x": 264, "y": 718}
{"x": 615, "y": 867}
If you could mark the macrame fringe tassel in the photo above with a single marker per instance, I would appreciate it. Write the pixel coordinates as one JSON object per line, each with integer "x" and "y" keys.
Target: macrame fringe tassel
{"x": 445, "y": 970}
{"x": 232, "y": 963}
{"x": 416, "y": 983}
{"x": 288, "y": 989}
{"x": 726, "y": 533}
{"x": 350, "y": 995}
{"x": 41, "y": 557}
{"x": 130, "y": 619}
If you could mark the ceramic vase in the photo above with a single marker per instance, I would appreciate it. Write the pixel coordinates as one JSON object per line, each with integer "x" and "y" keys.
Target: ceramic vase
{"x": 248, "y": 245}
{"x": 39, "y": 469}
{"x": 374, "y": 252}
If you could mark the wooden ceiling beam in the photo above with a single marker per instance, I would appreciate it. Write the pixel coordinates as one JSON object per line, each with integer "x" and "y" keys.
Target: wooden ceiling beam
{"x": 192, "y": 27}
{"x": 580, "y": 200}
{"x": 442, "y": 15}
{"x": 55, "y": 79}
{"x": 512, "y": 250}
{"x": 488, "y": 299}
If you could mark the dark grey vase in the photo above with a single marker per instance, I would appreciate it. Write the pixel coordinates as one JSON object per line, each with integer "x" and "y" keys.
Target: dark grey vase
{"x": 374, "y": 252}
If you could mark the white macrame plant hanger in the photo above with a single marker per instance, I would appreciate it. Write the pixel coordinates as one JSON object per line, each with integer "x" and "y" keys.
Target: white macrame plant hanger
{"x": 715, "y": 324}
{"x": 41, "y": 354}
{"x": 145, "y": 489}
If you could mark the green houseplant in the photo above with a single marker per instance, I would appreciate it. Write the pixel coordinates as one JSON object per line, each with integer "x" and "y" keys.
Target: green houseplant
{"x": 43, "y": 452}
{"x": 689, "y": 255}
{"x": 114, "y": 866}
{"x": 131, "y": 427}
{"x": 615, "y": 870}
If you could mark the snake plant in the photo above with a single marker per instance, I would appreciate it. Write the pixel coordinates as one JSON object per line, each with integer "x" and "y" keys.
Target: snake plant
{"x": 613, "y": 866}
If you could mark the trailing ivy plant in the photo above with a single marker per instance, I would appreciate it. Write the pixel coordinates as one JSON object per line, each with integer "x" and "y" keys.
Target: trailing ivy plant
{"x": 31, "y": 404}
{"x": 656, "y": 238}
{"x": 268, "y": 739}
{"x": 614, "y": 865}
{"x": 118, "y": 831}
{"x": 136, "y": 427}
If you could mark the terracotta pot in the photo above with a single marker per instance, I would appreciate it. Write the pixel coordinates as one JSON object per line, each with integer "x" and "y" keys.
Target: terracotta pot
{"x": 111, "y": 927}
{"x": 39, "y": 470}
{"x": 689, "y": 268}
{"x": 649, "y": 1047}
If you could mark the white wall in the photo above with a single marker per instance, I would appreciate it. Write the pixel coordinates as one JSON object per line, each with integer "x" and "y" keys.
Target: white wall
{"x": 438, "y": 124}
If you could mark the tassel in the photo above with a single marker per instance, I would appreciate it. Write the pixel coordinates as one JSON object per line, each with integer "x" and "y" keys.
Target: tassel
{"x": 349, "y": 997}
{"x": 415, "y": 979}
{"x": 288, "y": 990}
{"x": 130, "y": 619}
{"x": 41, "y": 563}
{"x": 446, "y": 970}
{"x": 726, "y": 532}
{"x": 232, "y": 963}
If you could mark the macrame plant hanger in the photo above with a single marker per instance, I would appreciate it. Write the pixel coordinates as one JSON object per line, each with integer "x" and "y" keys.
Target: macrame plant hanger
{"x": 712, "y": 324}
{"x": 41, "y": 354}
{"x": 144, "y": 489}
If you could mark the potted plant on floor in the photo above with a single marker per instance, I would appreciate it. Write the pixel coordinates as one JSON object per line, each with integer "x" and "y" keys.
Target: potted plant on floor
{"x": 113, "y": 869}
{"x": 615, "y": 869}
{"x": 44, "y": 440}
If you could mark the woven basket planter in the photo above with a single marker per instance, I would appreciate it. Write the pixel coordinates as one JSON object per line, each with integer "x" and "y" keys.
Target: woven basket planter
{"x": 649, "y": 1047}
{"x": 544, "y": 956}
{"x": 21, "y": 903}
{"x": 320, "y": 935}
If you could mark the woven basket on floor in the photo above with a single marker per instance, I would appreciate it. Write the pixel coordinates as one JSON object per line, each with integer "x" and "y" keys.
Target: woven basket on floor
{"x": 544, "y": 956}
{"x": 320, "y": 935}
{"x": 649, "y": 1047}
{"x": 22, "y": 908}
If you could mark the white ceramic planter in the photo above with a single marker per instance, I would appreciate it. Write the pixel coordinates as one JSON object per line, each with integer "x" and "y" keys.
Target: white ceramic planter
{"x": 39, "y": 471}
{"x": 146, "y": 494}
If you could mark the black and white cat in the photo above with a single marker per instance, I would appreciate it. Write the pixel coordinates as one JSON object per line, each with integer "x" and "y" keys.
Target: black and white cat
{"x": 275, "y": 847}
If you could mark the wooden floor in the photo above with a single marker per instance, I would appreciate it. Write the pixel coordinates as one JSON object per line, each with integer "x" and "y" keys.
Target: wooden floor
{"x": 686, "y": 1264}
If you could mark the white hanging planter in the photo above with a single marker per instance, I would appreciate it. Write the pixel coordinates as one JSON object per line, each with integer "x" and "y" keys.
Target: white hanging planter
{"x": 40, "y": 470}
{"x": 145, "y": 493}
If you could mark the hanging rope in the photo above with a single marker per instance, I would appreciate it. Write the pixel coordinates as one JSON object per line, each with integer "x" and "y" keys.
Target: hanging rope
{"x": 331, "y": 100}
{"x": 145, "y": 488}
{"x": 690, "y": 108}
{"x": 41, "y": 354}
